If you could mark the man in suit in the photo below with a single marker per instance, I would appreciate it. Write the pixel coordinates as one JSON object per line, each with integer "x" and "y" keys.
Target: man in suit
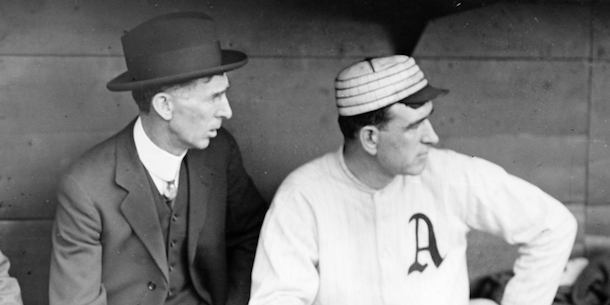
{"x": 162, "y": 212}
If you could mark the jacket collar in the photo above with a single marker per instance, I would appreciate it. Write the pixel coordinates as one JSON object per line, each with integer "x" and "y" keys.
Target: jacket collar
{"x": 138, "y": 207}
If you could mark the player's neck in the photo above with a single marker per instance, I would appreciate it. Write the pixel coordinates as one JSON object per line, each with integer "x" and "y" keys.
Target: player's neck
{"x": 365, "y": 168}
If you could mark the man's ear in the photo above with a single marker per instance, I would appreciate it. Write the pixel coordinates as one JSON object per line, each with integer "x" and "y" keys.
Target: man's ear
{"x": 163, "y": 104}
{"x": 369, "y": 139}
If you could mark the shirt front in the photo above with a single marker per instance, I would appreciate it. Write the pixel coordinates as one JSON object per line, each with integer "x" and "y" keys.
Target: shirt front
{"x": 162, "y": 166}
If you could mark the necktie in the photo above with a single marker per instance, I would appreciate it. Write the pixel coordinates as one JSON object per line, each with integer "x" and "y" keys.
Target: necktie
{"x": 170, "y": 191}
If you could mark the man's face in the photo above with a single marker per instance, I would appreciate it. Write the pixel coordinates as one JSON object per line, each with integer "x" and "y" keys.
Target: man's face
{"x": 198, "y": 112}
{"x": 405, "y": 140}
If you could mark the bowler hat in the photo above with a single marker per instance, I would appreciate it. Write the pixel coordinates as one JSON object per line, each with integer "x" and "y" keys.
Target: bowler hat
{"x": 173, "y": 48}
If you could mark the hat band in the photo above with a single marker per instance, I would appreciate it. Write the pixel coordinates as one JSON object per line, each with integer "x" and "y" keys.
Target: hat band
{"x": 401, "y": 76}
{"x": 389, "y": 90}
{"x": 174, "y": 62}
{"x": 350, "y": 110}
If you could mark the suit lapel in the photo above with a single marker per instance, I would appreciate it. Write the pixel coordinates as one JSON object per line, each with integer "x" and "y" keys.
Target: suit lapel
{"x": 200, "y": 181}
{"x": 138, "y": 206}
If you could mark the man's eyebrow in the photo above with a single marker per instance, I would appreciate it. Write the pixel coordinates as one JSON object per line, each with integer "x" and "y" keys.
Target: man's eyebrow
{"x": 422, "y": 119}
{"x": 221, "y": 92}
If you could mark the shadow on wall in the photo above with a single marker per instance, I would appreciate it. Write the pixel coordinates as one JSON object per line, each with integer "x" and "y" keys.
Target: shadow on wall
{"x": 403, "y": 20}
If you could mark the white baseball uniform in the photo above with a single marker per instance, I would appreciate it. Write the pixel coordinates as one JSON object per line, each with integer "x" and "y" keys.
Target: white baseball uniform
{"x": 329, "y": 239}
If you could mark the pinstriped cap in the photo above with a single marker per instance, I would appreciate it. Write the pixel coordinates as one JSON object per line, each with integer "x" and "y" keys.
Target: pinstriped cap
{"x": 375, "y": 83}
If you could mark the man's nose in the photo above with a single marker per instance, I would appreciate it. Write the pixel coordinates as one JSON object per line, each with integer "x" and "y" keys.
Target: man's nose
{"x": 429, "y": 136}
{"x": 225, "y": 110}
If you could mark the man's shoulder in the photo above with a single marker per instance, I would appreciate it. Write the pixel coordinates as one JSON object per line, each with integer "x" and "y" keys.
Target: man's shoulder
{"x": 317, "y": 172}
{"x": 446, "y": 158}
{"x": 97, "y": 160}
{"x": 449, "y": 163}
{"x": 300, "y": 192}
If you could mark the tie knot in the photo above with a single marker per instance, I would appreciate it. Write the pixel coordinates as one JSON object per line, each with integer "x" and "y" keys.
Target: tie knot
{"x": 170, "y": 190}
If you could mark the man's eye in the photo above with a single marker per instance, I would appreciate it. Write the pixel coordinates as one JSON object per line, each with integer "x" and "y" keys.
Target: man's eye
{"x": 413, "y": 126}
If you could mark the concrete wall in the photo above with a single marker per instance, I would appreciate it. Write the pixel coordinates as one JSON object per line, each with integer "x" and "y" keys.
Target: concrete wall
{"x": 527, "y": 81}
{"x": 529, "y": 92}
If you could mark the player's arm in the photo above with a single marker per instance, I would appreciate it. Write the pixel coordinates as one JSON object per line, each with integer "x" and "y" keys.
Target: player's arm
{"x": 541, "y": 226}
{"x": 285, "y": 270}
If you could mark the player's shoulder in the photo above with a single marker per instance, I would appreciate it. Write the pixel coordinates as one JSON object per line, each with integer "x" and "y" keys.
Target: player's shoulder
{"x": 450, "y": 163}
{"x": 315, "y": 172}
{"x": 447, "y": 158}
{"x": 303, "y": 191}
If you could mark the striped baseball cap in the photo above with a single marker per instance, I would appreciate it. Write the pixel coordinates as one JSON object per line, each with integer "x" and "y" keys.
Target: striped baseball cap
{"x": 372, "y": 84}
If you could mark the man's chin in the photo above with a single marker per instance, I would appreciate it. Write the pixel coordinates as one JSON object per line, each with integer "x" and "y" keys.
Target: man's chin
{"x": 202, "y": 144}
{"x": 416, "y": 170}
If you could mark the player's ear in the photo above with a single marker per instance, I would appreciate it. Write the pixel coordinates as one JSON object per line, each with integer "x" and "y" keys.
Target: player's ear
{"x": 369, "y": 138}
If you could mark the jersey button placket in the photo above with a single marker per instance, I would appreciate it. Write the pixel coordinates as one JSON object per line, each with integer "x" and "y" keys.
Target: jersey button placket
{"x": 383, "y": 234}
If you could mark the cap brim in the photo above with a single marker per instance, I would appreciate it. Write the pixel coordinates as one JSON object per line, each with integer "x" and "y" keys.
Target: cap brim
{"x": 427, "y": 93}
{"x": 231, "y": 60}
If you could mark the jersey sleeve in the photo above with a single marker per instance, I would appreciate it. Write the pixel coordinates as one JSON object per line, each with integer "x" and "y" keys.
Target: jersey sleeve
{"x": 10, "y": 292}
{"x": 541, "y": 226}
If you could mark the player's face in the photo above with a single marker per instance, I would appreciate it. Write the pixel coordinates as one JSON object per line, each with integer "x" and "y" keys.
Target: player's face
{"x": 405, "y": 140}
{"x": 199, "y": 111}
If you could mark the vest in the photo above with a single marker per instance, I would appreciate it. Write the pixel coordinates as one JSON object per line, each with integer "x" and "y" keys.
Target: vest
{"x": 174, "y": 225}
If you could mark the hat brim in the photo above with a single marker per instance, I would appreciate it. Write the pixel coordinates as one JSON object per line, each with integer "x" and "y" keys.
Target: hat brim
{"x": 231, "y": 60}
{"x": 426, "y": 94}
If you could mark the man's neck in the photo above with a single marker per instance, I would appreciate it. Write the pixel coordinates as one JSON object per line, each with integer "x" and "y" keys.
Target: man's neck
{"x": 157, "y": 132}
{"x": 365, "y": 168}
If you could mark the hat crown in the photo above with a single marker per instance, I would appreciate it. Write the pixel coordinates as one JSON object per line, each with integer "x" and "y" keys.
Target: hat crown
{"x": 173, "y": 48}
{"x": 169, "y": 32}
{"x": 375, "y": 83}
{"x": 371, "y": 66}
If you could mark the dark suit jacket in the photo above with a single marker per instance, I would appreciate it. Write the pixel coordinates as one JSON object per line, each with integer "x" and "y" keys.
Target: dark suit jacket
{"x": 108, "y": 246}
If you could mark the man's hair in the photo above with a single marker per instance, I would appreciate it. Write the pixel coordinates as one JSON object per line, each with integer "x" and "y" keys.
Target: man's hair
{"x": 144, "y": 97}
{"x": 351, "y": 125}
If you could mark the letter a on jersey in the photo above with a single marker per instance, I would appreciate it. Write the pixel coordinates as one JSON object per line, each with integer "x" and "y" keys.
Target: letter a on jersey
{"x": 432, "y": 248}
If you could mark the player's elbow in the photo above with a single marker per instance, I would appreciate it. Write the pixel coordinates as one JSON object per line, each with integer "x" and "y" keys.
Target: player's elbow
{"x": 566, "y": 229}
{"x": 571, "y": 226}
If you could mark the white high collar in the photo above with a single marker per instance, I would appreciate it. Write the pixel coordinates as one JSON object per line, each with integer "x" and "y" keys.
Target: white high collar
{"x": 161, "y": 165}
